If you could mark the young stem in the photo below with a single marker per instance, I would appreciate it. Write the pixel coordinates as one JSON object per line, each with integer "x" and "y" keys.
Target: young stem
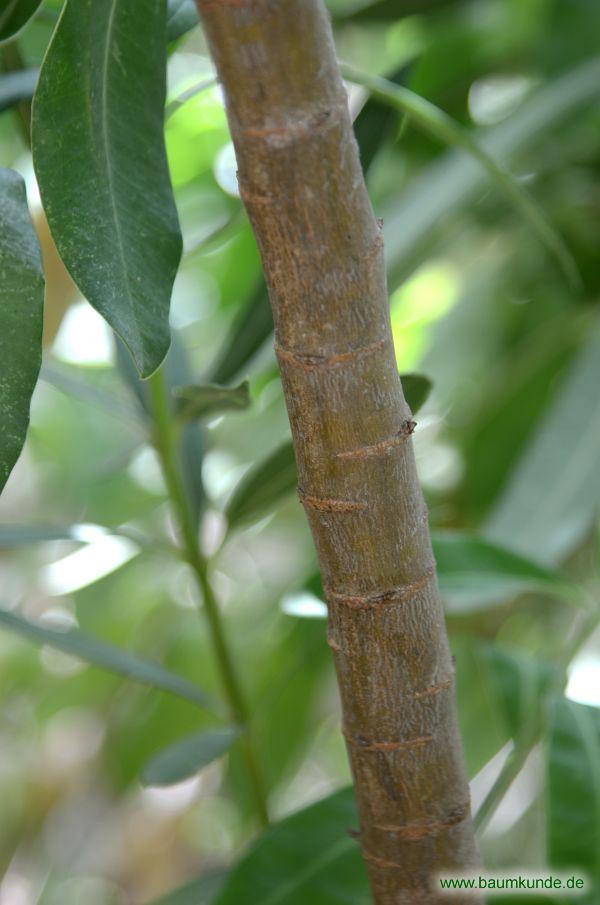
{"x": 164, "y": 439}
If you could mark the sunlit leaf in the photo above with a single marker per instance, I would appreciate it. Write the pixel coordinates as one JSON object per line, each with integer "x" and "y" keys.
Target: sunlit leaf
{"x": 106, "y": 656}
{"x": 186, "y": 757}
{"x": 263, "y": 485}
{"x": 308, "y": 857}
{"x": 416, "y": 389}
{"x": 14, "y": 14}
{"x": 100, "y": 160}
{"x": 182, "y": 16}
{"x": 16, "y": 87}
{"x": 199, "y": 892}
{"x": 200, "y": 400}
{"x": 443, "y": 127}
{"x": 553, "y": 494}
{"x": 574, "y": 789}
{"x": 21, "y": 317}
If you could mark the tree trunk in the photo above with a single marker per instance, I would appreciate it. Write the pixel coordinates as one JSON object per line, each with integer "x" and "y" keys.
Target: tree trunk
{"x": 322, "y": 251}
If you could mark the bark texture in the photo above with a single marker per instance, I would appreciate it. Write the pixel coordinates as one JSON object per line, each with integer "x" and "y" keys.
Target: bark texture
{"x": 322, "y": 251}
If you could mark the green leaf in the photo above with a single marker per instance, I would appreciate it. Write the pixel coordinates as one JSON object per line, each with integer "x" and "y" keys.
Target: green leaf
{"x": 574, "y": 788}
{"x": 199, "y": 892}
{"x": 474, "y": 574}
{"x": 249, "y": 331}
{"x": 262, "y": 486}
{"x": 14, "y": 14}
{"x": 186, "y": 757}
{"x": 204, "y": 399}
{"x": 21, "y": 318}
{"x": 441, "y": 126}
{"x": 106, "y": 656}
{"x": 21, "y": 535}
{"x": 100, "y": 160}
{"x": 416, "y": 389}
{"x": 182, "y": 16}
{"x": 16, "y": 87}
{"x": 308, "y": 857}
{"x": 553, "y": 494}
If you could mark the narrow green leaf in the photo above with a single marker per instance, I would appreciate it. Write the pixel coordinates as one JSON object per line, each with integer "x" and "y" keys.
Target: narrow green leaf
{"x": 16, "y": 87}
{"x": 416, "y": 389}
{"x": 182, "y": 16}
{"x": 14, "y": 14}
{"x": 199, "y": 892}
{"x": 200, "y": 400}
{"x": 100, "y": 160}
{"x": 475, "y": 574}
{"x": 308, "y": 857}
{"x": 21, "y": 318}
{"x": 106, "y": 656}
{"x": 249, "y": 331}
{"x": 439, "y": 124}
{"x": 22, "y": 535}
{"x": 262, "y": 486}
{"x": 574, "y": 788}
{"x": 186, "y": 757}
{"x": 553, "y": 494}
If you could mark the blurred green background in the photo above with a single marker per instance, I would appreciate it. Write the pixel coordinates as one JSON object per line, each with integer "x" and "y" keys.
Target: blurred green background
{"x": 508, "y": 447}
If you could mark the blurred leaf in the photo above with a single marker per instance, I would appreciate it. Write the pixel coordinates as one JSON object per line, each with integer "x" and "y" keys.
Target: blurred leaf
{"x": 188, "y": 756}
{"x": 198, "y": 892}
{"x": 21, "y": 318}
{"x": 574, "y": 788}
{"x": 416, "y": 389}
{"x": 262, "y": 486}
{"x": 308, "y": 857}
{"x": 199, "y": 400}
{"x": 14, "y": 14}
{"x": 100, "y": 160}
{"x": 74, "y": 384}
{"x": 375, "y": 122}
{"x": 553, "y": 494}
{"x": 453, "y": 178}
{"x": 474, "y": 574}
{"x": 522, "y": 684}
{"x": 16, "y": 87}
{"x": 106, "y": 656}
{"x": 249, "y": 331}
{"x": 443, "y": 127}
{"x": 19, "y": 535}
{"x": 182, "y": 16}
{"x": 383, "y": 10}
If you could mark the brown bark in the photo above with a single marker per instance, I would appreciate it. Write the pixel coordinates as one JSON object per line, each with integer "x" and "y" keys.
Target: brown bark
{"x": 322, "y": 251}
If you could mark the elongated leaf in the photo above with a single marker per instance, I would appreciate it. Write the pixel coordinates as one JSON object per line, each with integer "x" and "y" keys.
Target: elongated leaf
{"x": 106, "y": 656}
{"x": 574, "y": 789}
{"x": 16, "y": 87}
{"x": 199, "y": 892}
{"x": 248, "y": 333}
{"x": 186, "y": 757}
{"x": 182, "y": 16}
{"x": 262, "y": 486}
{"x": 553, "y": 494}
{"x": 453, "y": 179}
{"x": 474, "y": 574}
{"x": 21, "y": 317}
{"x": 200, "y": 400}
{"x": 100, "y": 159}
{"x": 308, "y": 857}
{"x": 443, "y": 127}
{"x": 21, "y": 535}
{"x": 14, "y": 14}
{"x": 416, "y": 389}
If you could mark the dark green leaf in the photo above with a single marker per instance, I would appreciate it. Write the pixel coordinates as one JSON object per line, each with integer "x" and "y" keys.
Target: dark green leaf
{"x": 262, "y": 486}
{"x": 14, "y": 14}
{"x": 21, "y": 318}
{"x": 474, "y": 574}
{"x": 16, "y": 87}
{"x": 248, "y": 333}
{"x": 100, "y": 159}
{"x": 106, "y": 656}
{"x": 182, "y": 16}
{"x": 307, "y": 858}
{"x": 416, "y": 389}
{"x": 574, "y": 788}
{"x": 553, "y": 494}
{"x": 198, "y": 892}
{"x": 186, "y": 757}
{"x": 204, "y": 399}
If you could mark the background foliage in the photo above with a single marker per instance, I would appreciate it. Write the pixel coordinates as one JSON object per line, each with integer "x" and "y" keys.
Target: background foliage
{"x": 508, "y": 447}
